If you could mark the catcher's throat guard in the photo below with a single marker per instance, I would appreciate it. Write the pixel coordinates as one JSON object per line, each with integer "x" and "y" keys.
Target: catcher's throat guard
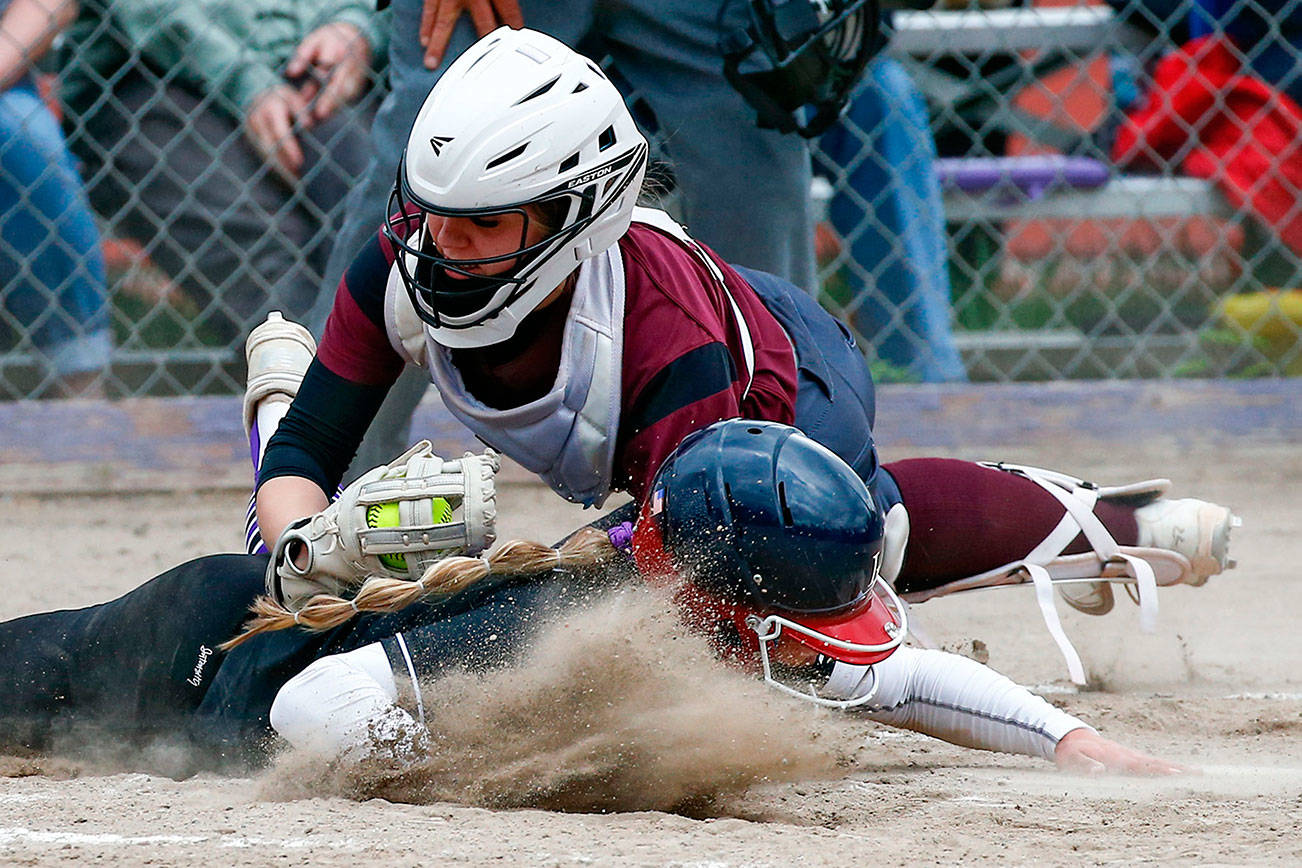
{"x": 339, "y": 550}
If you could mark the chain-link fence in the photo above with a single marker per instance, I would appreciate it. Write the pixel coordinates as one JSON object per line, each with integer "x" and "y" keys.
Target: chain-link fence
{"x": 1027, "y": 192}
{"x": 1120, "y": 187}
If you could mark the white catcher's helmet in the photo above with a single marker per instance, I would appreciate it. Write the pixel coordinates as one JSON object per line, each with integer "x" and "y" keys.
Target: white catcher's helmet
{"x": 518, "y": 119}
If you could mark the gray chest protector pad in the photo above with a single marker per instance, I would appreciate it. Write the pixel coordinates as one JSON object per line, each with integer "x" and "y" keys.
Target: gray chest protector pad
{"x": 568, "y": 435}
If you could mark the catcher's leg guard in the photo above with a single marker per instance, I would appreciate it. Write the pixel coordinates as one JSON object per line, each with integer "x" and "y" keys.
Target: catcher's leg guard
{"x": 1173, "y": 534}
{"x": 278, "y": 353}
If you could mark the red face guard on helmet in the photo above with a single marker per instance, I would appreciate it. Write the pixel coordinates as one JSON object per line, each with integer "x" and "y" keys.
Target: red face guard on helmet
{"x": 867, "y": 632}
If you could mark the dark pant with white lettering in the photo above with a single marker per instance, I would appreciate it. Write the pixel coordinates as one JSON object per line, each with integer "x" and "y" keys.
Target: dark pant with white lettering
{"x": 128, "y": 672}
{"x": 140, "y": 680}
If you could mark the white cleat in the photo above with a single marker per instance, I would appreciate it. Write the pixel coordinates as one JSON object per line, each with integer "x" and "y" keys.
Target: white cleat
{"x": 1195, "y": 528}
{"x": 278, "y": 353}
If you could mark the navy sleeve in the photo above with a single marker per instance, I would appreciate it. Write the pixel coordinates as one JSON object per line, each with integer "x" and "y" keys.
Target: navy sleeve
{"x": 319, "y": 436}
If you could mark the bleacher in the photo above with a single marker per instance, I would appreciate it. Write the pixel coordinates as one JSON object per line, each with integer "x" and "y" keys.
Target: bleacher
{"x": 986, "y": 191}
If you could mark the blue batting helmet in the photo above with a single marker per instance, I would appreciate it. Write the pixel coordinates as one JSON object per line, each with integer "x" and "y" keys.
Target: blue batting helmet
{"x": 769, "y": 522}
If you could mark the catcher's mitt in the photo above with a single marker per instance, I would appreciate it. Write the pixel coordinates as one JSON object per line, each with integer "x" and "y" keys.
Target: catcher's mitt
{"x": 340, "y": 549}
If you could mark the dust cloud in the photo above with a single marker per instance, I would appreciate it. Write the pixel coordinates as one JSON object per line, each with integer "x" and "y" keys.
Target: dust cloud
{"x": 616, "y": 708}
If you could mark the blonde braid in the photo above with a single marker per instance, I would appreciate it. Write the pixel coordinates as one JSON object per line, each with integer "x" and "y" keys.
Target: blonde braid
{"x": 587, "y": 549}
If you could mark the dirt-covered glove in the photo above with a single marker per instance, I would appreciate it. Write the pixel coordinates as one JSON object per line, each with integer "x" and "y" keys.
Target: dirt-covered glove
{"x": 394, "y": 521}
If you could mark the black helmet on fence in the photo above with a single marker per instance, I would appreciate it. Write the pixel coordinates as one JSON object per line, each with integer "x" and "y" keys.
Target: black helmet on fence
{"x": 797, "y": 61}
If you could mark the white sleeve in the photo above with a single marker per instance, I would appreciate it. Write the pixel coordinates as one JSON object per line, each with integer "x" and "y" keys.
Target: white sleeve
{"x": 955, "y": 699}
{"x": 344, "y": 705}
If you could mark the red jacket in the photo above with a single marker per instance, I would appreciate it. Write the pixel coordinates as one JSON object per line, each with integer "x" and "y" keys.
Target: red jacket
{"x": 1249, "y": 135}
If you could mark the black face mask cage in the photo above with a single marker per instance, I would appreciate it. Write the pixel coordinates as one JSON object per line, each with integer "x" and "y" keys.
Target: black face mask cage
{"x": 434, "y": 294}
{"x": 787, "y": 63}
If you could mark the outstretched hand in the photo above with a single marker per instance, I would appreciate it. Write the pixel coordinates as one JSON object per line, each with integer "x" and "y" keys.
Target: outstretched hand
{"x": 1084, "y": 751}
{"x": 439, "y": 17}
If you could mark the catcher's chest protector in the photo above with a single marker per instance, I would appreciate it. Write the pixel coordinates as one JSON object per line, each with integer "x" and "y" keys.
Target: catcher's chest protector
{"x": 567, "y": 436}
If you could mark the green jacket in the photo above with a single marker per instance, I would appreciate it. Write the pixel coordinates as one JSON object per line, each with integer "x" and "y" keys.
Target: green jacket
{"x": 234, "y": 49}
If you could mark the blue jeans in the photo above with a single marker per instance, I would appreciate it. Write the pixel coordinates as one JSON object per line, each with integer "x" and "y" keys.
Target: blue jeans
{"x": 888, "y": 209}
{"x": 51, "y": 266}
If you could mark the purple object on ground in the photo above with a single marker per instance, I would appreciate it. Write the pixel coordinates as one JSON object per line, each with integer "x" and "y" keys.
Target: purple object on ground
{"x": 1029, "y": 176}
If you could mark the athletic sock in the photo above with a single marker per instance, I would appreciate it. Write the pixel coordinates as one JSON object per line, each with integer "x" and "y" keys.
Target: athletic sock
{"x": 266, "y": 419}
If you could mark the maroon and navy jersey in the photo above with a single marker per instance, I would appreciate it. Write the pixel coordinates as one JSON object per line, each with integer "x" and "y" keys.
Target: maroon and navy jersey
{"x": 684, "y": 365}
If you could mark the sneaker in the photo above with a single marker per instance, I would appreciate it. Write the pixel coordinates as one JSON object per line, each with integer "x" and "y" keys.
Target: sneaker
{"x": 1195, "y": 528}
{"x": 1092, "y": 598}
{"x": 278, "y": 353}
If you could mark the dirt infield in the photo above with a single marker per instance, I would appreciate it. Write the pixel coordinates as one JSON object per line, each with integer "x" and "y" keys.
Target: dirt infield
{"x": 1219, "y": 687}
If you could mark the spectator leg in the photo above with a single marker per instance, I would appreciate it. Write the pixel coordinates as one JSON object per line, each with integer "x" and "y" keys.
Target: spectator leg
{"x": 745, "y": 190}
{"x": 205, "y": 206}
{"x": 50, "y": 257}
{"x": 336, "y": 153}
{"x": 888, "y": 208}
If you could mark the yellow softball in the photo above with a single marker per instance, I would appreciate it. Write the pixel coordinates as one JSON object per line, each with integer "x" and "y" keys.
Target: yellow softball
{"x": 386, "y": 515}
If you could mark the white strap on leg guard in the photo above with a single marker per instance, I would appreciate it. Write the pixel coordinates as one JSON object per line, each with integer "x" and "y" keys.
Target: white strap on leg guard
{"x": 1079, "y": 502}
{"x": 1046, "y": 565}
{"x": 1049, "y": 611}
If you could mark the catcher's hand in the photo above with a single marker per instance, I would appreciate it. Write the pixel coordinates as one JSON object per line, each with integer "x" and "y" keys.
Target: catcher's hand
{"x": 337, "y": 549}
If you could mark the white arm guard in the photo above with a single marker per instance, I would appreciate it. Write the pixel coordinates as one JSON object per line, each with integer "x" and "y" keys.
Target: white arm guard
{"x": 341, "y": 550}
{"x": 955, "y": 699}
{"x": 343, "y": 706}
